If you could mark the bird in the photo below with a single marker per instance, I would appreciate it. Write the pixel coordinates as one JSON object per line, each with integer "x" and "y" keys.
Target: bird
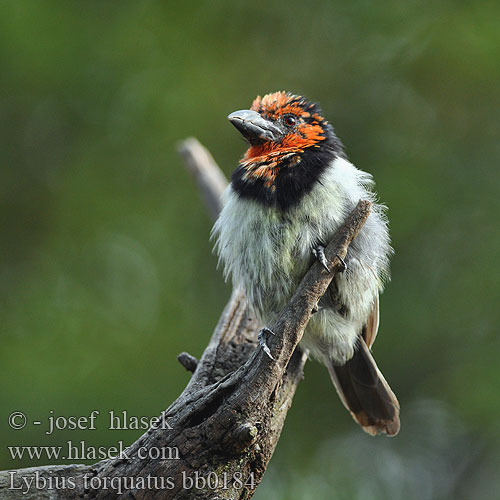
{"x": 290, "y": 192}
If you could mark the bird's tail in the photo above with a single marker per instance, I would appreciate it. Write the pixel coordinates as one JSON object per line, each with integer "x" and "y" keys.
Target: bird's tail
{"x": 365, "y": 392}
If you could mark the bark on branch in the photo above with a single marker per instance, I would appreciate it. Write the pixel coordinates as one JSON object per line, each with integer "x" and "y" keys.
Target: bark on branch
{"x": 227, "y": 421}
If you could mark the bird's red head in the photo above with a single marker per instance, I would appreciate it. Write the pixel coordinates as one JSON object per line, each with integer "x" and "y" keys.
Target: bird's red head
{"x": 289, "y": 140}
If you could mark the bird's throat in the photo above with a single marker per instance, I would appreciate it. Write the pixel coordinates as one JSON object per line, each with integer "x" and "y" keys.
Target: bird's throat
{"x": 279, "y": 178}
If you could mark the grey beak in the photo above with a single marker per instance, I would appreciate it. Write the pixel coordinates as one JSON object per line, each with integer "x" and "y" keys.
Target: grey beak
{"x": 254, "y": 127}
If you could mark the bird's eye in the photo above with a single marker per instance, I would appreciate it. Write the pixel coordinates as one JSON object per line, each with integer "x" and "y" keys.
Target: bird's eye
{"x": 290, "y": 120}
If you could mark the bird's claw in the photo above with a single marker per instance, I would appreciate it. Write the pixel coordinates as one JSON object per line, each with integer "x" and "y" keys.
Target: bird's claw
{"x": 342, "y": 263}
{"x": 315, "y": 308}
{"x": 319, "y": 253}
{"x": 264, "y": 332}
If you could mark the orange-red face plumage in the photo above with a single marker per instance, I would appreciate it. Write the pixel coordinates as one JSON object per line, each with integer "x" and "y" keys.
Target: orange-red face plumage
{"x": 265, "y": 159}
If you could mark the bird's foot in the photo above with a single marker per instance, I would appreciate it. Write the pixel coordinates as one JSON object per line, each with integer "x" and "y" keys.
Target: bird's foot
{"x": 263, "y": 336}
{"x": 342, "y": 263}
{"x": 319, "y": 254}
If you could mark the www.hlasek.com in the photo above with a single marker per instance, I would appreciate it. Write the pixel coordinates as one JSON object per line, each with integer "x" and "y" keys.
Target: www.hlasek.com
{"x": 82, "y": 451}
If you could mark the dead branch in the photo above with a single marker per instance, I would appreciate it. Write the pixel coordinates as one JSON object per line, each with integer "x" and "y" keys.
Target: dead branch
{"x": 227, "y": 422}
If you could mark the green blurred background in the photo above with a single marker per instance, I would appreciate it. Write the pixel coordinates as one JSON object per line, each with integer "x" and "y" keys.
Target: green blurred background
{"x": 106, "y": 271}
